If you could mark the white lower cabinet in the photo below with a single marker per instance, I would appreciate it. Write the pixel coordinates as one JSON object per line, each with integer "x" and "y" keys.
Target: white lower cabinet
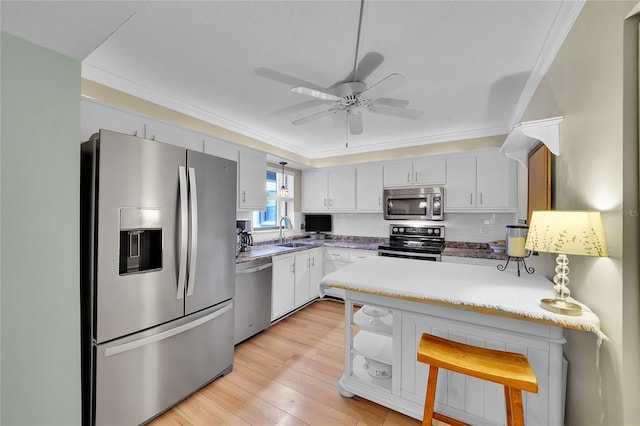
{"x": 394, "y": 339}
{"x": 295, "y": 280}
{"x": 308, "y": 272}
{"x": 336, "y": 258}
{"x": 283, "y": 285}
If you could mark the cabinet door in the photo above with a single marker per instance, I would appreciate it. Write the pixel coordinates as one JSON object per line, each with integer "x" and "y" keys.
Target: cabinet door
{"x": 95, "y": 116}
{"x": 493, "y": 181}
{"x": 174, "y": 135}
{"x": 369, "y": 188}
{"x": 316, "y": 271}
{"x": 460, "y": 192}
{"x": 283, "y": 284}
{"x": 252, "y": 175}
{"x": 429, "y": 171}
{"x": 398, "y": 173}
{"x": 314, "y": 191}
{"x": 342, "y": 189}
{"x": 301, "y": 293}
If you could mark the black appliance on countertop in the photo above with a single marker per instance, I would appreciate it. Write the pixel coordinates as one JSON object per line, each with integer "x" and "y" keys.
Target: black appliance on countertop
{"x": 422, "y": 242}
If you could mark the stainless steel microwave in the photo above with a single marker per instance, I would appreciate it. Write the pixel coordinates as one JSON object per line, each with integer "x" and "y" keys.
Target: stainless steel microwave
{"x": 414, "y": 203}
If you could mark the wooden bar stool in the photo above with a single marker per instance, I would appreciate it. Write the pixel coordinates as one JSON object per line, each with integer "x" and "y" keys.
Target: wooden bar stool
{"x": 512, "y": 370}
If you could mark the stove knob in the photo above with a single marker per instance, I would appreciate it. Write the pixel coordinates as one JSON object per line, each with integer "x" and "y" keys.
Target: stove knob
{"x": 401, "y": 230}
{"x": 429, "y": 231}
{"x": 436, "y": 231}
{"x": 394, "y": 230}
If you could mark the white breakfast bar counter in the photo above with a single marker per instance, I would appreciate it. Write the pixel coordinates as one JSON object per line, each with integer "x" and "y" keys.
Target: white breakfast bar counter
{"x": 477, "y": 305}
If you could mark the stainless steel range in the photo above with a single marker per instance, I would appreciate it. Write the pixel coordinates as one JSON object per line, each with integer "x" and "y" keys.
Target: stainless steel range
{"x": 414, "y": 242}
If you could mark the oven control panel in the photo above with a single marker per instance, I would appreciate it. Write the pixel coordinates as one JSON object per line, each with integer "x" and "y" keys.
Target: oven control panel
{"x": 417, "y": 231}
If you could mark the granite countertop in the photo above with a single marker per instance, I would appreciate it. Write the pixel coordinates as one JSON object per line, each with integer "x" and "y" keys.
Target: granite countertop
{"x": 475, "y": 250}
{"x": 452, "y": 248}
{"x": 272, "y": 248}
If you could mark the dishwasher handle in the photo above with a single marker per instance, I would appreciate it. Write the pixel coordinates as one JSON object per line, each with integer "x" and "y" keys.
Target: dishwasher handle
{"x": 252, "y": 270}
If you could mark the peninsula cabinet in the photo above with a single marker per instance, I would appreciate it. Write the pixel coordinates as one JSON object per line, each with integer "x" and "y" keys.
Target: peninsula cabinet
{"x": 252, "y": 175}
{"x": 369, "y": 188}
{"x": 481, "y": 182}
{"x": 468, "y": 399}
{"x": 329, "y": 190}
{"x": 421, "y": 171}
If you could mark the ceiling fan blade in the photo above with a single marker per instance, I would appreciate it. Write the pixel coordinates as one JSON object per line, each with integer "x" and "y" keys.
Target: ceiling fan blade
{"x": 400, "y": 103}
{"x": 299, "y": 107}
{"x": 390, "y": 82}
{"x": 319, "y": 94}
{"x": 313, "y": 116}
{"x": 287, "y": 79}
{"x": 367, "y": 65}
{"x": 355, "y": 123}
{"x": 395, "y": 111}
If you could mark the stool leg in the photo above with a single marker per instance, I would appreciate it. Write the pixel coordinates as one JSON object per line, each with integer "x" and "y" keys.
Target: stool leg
{"x": 430, "y": 398}
{"x": 515, "y": 411}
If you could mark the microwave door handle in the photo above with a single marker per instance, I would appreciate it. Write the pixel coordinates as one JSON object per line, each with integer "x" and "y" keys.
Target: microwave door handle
{"x": 184, "y": 229}
{"x": 193, "y": 252}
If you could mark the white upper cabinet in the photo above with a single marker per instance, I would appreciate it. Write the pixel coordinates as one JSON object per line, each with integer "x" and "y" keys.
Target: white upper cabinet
{"x": 482, "y": 182}
{"x": 329, "y": 190}
{"x": 252, "y": 176}
{"x": 174, "y": 135}
{"x": 369, "y": 188}
{"x": 220, "y": 148}
{"x": 95, "y": 116}
{"x": 421, "y": 171}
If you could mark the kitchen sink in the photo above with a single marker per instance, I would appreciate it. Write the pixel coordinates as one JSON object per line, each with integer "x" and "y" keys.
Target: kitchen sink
{"x": 295, "y": 244}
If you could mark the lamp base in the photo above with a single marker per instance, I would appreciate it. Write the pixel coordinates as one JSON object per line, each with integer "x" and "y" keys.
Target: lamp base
{"x": 560, "y": 306}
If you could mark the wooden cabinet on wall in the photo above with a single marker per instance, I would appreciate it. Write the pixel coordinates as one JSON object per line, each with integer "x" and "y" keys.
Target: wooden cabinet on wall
{"x": 481, "y": 182}
{"x": 421, "y": 171}
{"x": 329, "y": 190}
{"x": 539, "y": 180}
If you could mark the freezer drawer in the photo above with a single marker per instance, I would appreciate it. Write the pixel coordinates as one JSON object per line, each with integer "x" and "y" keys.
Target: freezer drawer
{"x": 140, "y": 376}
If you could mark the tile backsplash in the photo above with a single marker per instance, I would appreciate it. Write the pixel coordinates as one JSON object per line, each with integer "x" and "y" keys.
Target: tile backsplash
{"x": 470, "y": 227}
{"x": 467, "y": 227}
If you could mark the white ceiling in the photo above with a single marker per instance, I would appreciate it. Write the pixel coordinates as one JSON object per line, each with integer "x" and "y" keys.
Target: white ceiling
{"x": 471, "y": 65}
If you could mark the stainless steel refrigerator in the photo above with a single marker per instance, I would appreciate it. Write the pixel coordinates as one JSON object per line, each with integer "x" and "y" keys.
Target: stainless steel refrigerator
{"x": 157, "y": 275}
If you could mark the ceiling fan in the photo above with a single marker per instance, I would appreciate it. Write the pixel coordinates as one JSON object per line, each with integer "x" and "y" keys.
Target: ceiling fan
{"x": 350, "y": 97}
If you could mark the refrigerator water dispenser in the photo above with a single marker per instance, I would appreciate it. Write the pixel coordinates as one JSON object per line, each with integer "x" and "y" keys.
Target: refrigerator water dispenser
{"x": 140, "y": 240}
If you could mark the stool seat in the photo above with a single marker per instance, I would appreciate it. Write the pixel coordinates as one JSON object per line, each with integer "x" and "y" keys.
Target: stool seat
{"x": 512, "y": 370}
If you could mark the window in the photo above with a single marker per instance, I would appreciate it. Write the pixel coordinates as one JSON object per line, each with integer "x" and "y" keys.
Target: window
{"x": 277, "y": 205}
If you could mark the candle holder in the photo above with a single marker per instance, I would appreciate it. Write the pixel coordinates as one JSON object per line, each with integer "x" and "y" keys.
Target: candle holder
{"x": 516, "y": 239}
{"x": 518, "y": 260}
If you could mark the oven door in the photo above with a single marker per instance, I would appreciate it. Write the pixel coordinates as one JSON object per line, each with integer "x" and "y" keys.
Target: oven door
{"x": 409, "y": 254}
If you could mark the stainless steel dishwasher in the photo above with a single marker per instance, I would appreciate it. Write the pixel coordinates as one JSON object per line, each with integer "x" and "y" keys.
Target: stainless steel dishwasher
{"x": 253, "y": 298}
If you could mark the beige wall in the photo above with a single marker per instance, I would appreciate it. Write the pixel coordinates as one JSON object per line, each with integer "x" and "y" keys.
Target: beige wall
{"x": 585, "y": 85}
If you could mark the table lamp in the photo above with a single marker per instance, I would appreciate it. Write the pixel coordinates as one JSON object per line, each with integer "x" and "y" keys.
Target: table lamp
{"x": 565, "y": 232}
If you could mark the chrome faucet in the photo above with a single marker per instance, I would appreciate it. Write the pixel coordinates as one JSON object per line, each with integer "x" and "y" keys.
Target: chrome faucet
{"x": 287, "y": 225}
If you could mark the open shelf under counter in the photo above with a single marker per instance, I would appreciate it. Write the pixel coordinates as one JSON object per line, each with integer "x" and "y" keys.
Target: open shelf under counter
{"x": 374, "y": 319}
{"x": 374, "y": 346}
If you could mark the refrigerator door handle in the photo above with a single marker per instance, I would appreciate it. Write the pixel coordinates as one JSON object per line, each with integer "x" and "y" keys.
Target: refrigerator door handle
{"x": 193, "y": 252}
{"x": 184, "y": 232}
{"x": 165, "y": 334}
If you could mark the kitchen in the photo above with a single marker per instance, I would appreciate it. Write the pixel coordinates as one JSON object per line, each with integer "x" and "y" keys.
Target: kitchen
{"x": 597, "y": 35}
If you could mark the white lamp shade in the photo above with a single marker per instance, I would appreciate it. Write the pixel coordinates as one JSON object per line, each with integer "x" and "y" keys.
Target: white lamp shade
{"x": 567, "y": 232}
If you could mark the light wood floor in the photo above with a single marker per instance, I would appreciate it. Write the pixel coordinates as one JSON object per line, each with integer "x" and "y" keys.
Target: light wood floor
{"x": 286, "y": 375}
